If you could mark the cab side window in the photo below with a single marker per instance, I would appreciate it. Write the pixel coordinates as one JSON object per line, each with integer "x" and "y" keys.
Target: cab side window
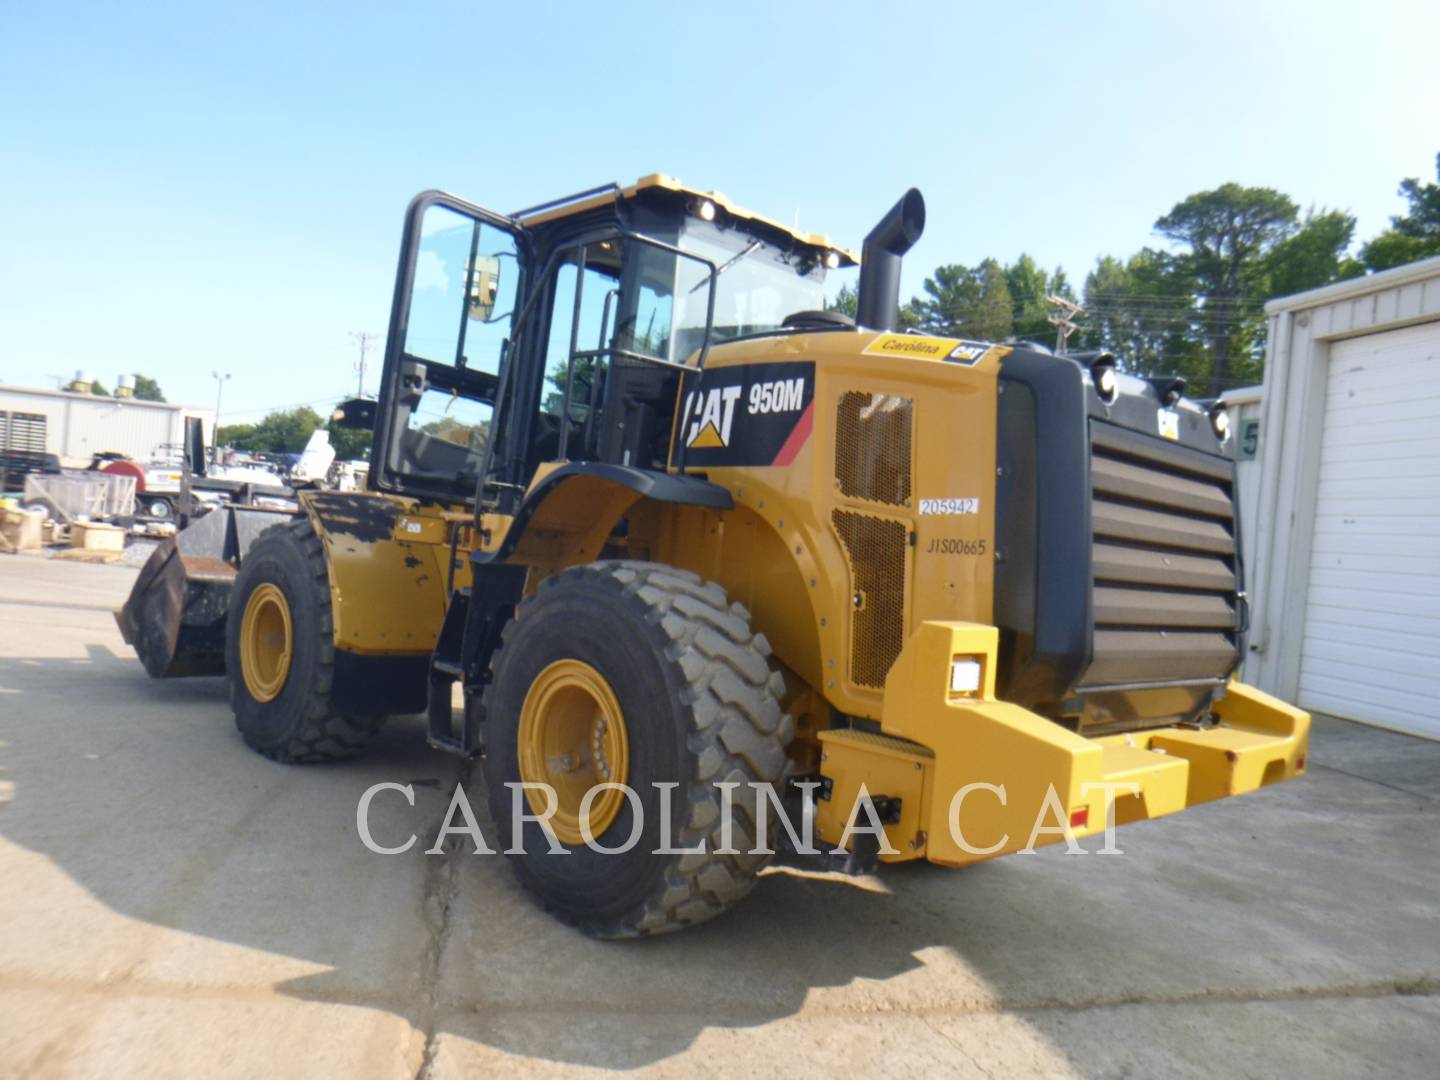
{"x": 593, "y": 324}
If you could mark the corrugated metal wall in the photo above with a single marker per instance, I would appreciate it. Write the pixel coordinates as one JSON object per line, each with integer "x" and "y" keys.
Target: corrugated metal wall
{"x": 79, "y": 425}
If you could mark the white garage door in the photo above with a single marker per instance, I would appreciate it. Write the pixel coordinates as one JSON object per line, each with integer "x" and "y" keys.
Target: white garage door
{"x": 1372, "y": 617}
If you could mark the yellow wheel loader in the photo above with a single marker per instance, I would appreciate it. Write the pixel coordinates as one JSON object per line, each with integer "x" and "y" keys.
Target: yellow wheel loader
{"x": 697, "y": 551}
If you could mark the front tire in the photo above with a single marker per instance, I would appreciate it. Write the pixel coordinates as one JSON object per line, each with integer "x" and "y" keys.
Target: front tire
{"x": 697, "y": 703}
{"x": 280, "y": 653}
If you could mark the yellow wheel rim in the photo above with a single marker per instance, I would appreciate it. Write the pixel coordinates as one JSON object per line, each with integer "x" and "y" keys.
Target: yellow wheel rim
{"x": 572, "y": 737}
{"x": 266, "y": 642}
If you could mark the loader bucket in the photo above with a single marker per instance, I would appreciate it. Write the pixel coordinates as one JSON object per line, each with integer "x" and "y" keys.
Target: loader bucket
{"x": 175, "y": 616}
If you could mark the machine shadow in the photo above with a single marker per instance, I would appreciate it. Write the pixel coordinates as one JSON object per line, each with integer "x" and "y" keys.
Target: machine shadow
{"x": 158, "y": 811}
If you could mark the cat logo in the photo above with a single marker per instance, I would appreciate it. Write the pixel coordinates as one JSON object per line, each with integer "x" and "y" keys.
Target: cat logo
{"x": 746, "y": 415}
{"x": 710, "y": 414}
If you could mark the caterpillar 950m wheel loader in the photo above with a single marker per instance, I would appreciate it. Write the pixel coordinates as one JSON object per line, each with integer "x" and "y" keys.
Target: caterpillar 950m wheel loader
{"x": 675, "y": 529}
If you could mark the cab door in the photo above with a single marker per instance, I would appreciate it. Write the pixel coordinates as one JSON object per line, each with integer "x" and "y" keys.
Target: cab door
{"x": 459, "y": 283}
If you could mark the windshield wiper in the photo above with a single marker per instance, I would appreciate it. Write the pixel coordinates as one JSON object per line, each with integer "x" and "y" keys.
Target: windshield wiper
{"x": 730, "y": 262}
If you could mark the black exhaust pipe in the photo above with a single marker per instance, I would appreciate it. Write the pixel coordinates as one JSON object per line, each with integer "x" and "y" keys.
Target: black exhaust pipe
{"x": 878, "y": 305}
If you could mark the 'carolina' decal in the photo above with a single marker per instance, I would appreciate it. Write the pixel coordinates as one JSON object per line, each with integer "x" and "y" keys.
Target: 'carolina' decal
{"x": 928, "y": 348}
{"x": 751, "y": 414}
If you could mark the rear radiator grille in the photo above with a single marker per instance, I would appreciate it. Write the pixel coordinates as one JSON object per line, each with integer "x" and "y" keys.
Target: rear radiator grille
{"x": 872, "y": 447}
{"x": 875, "y": 549}
{"x": 1164, "y": 561}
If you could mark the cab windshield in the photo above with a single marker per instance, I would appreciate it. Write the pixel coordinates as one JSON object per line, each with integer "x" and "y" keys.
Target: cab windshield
{"x": 759, "y": 284}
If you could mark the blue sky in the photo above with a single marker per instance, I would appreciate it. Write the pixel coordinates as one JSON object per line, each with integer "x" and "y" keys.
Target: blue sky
{"x": 189, "y": 187}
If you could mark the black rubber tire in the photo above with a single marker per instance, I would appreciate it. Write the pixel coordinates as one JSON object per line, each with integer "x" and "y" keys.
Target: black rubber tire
{"x": 701, "y": 705}
{"x": 167, "y": 507}
{"x": 301, "y": 724}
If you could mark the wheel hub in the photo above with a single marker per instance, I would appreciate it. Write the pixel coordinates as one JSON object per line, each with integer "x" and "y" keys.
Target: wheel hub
{"x": 572, "y": 736}
{"x": 266, "y": 642}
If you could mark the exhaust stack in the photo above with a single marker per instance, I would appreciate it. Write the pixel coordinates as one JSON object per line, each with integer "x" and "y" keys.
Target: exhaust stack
{"x": 878, "y": 305}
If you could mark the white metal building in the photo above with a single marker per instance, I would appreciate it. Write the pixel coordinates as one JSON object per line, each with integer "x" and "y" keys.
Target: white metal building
{"x": 1345, "y": 563}
{"x": 1246, "y": 405}
{"x": 78, "y": 425}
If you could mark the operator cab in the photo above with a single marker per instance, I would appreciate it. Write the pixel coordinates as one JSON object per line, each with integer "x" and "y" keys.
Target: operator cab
{"x": 563, "y": 332}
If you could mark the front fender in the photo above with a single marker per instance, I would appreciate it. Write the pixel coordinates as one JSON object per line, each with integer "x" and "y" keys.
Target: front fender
{"x": 387, "y": 591}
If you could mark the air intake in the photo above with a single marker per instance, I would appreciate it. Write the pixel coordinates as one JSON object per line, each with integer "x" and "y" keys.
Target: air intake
{"x": 875, "y": 550}
{"x": 873, "y": 434}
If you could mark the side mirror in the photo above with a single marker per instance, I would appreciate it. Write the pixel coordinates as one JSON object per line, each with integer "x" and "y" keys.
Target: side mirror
{"x": 484, "y": 277}
{"x": 355, "y": 413}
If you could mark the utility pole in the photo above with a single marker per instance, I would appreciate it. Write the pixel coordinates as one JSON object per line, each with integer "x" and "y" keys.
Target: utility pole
{"x": 1063, "y": 320}
{"x": 215, "y": 432}
{"x": 364, "y": 337}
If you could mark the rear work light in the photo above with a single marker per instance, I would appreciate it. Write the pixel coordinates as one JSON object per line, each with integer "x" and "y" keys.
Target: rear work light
{"x": 1102, "y": 374}
{"x": 965, "y": 673}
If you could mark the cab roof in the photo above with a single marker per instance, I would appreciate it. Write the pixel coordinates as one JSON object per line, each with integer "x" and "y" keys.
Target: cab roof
{"x": 596, "y": 197}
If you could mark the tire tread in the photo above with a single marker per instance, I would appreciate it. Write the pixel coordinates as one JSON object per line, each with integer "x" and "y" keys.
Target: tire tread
{"x": 325, "y": 735}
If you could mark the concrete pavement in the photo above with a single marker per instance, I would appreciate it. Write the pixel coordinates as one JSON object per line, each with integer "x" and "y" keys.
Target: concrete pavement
{"x": 171, "y": 904}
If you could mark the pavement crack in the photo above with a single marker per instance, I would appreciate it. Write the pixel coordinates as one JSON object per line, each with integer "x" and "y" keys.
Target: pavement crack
{"x": 958, "y": 1045}
{"x": 1371, "y": 780}
{"x": 1415, "y": 986}
{"x": 1421, "y": 986}
{"x": 442, "y": 886}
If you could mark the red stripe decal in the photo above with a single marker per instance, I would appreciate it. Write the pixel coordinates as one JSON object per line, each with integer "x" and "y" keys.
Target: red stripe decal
{"x": 799, "y": 435}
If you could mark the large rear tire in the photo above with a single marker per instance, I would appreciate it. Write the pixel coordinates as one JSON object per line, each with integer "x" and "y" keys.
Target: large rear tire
{"x": 661, "y": 655}
{"x": 280, "y": 653}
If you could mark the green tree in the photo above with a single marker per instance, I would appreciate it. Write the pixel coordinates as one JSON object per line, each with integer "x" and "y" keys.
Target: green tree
{"x": 1142, "y": 309}
{"x": 351, "y": 444}
{"x": 1029, "y": 286}
{"x": 1413, "y": 235}
{"x": 1198, "y": 311}
{"x": 1313, "y": 256}
{"x": 239, "y": 436}
{"x": 961, "y": 301}
{"x": 279, "y": 432}
{"x": 147, "y": 389}
{"x": 1225, "y": 235}
{"x": 846, "y": 301}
